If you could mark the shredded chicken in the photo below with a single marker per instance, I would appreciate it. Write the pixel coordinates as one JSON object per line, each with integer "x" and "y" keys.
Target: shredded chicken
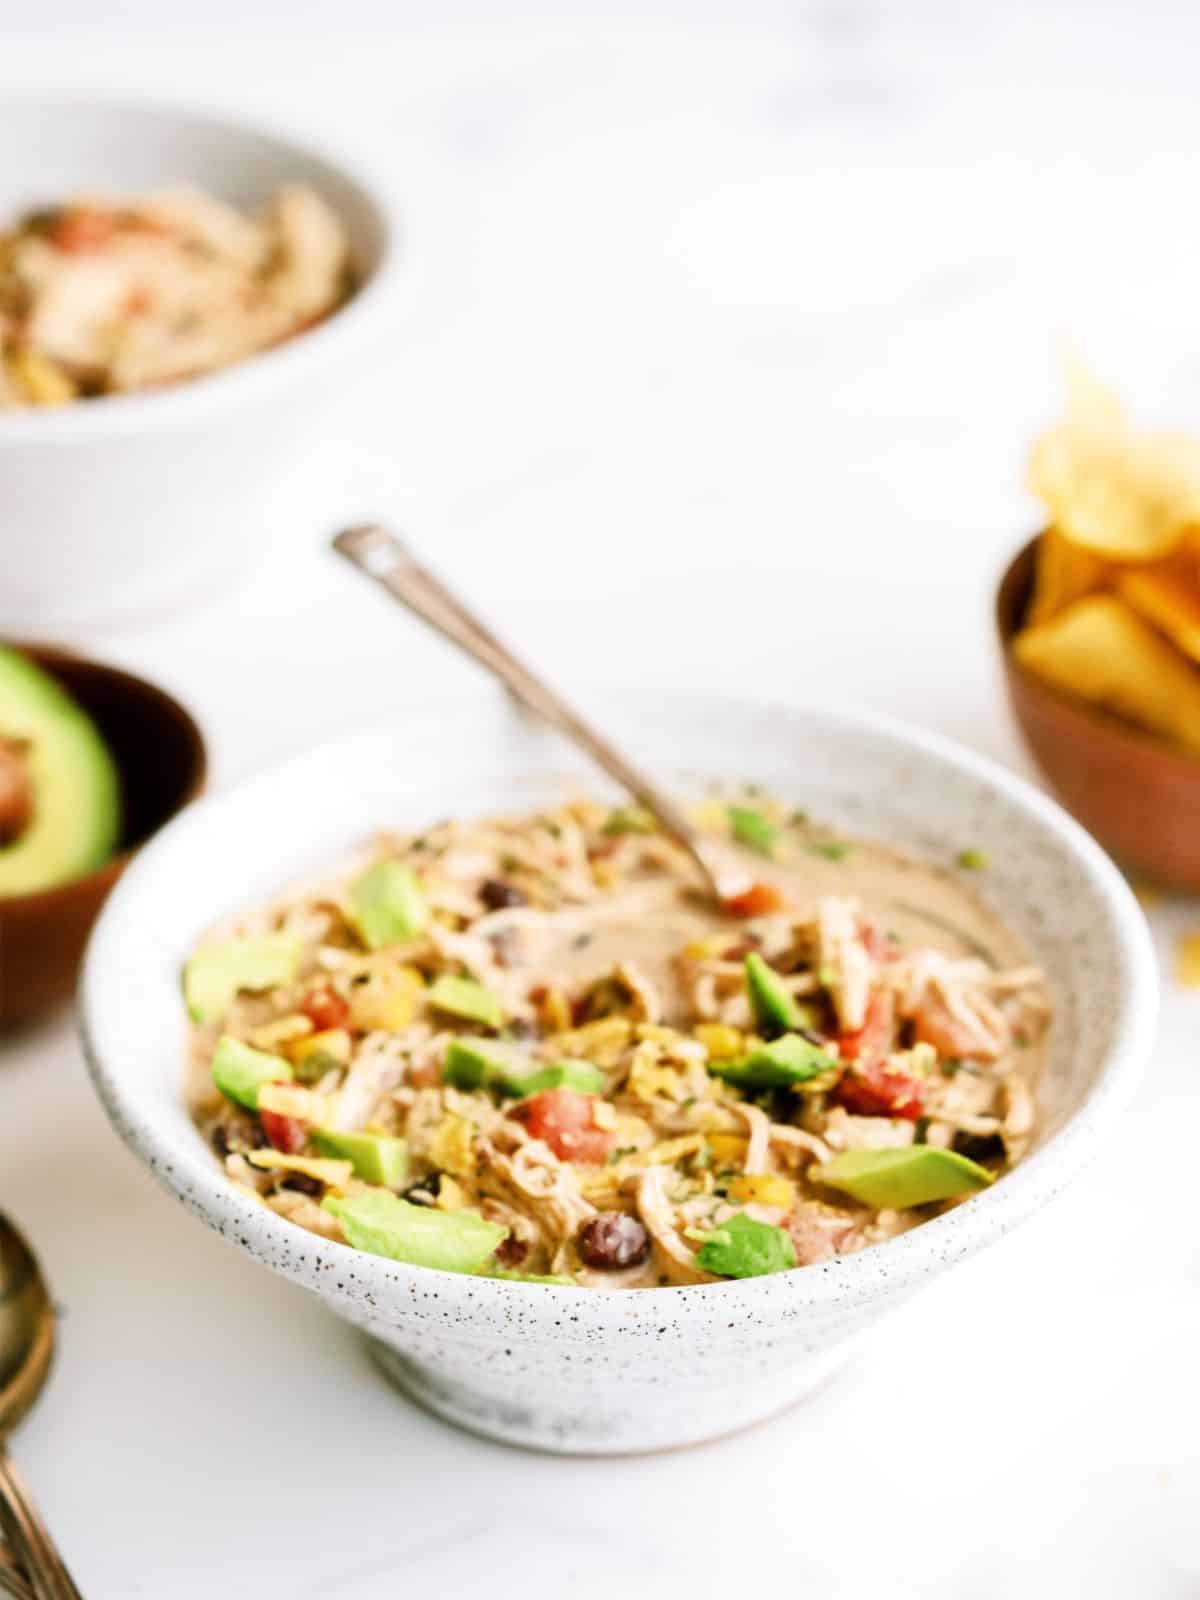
{"x": 570, "y": 1046}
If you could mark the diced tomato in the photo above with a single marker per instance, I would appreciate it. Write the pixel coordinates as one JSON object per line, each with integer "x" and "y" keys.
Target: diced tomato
{"x": 288, "y": 1134}
{"x": 874, "y": 1039}
{"x": 873, "y": 1089}
{"x": 757, "y": 901}
{"x": 324, "y": 1008}
{"x": 83, "y": 228}
{"x": 869, "y": 1087}
{"x": 566, "y": 1121}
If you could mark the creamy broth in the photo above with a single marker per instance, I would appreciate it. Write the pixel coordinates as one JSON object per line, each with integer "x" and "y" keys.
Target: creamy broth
{"x": 551, "y": 1036}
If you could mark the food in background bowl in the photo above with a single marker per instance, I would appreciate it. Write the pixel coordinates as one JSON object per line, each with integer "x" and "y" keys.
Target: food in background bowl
{"x": 529, "y": 1047}
{"x": 1115, "y": 615}
{"x": 60, "y": 800}
{"x": 108, "y": 296}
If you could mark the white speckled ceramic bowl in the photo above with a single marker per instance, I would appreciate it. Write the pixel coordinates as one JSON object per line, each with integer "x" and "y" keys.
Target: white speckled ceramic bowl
{"x": 575, "y": 1370}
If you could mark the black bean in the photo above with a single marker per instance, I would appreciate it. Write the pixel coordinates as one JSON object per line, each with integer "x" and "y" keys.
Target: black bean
{"x": 613, "y": 1240}
{"x": 979, "y": 1146}
{"x": 511, "y": 1252}
{"x": 237, "y": 1131}
{"x": 425, "y": 1191}
{"x": 497, "y": 895}
{"x": 302, "y": 1183}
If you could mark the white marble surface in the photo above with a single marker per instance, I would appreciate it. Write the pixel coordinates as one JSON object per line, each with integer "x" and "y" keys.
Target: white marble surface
{"x": 731, "y": 344}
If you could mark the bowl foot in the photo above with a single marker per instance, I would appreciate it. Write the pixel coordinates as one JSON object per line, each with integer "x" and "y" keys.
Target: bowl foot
{"x": 608, "y": 1428}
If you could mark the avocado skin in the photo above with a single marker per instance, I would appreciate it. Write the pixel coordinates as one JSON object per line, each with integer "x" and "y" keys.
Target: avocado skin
{"x": 76, "y": 789}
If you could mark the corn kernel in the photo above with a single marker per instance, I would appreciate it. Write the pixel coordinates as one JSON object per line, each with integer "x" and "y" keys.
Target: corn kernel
{"x": 335, "y": 1043}
{"x": 554, "y": 1011}
{"x": 451, "y": 1196}
{"x": 388, "y": 1000}
{"x": 721, "y": 1041}
{"x": 281, "y": 1033}
{"x": 764, "y": 1189}
{"x": 452, "y": 1147}
{"x": 728, "y": 1146}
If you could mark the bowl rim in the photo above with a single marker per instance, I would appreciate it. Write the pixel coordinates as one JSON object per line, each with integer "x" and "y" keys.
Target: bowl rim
{"x": 1010, "y": 620}
{"x": 393, "y": 1289}
{"x": 46, "y": 656}
{"x": 264, "y": 370}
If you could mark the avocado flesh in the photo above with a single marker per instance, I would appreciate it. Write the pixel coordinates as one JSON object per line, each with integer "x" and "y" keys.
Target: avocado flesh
{"x": 490, "y": 1064}
{"x": 784, "y": 1062}
{"x": 387, "y": 904}
{"x": 76, "y": 792}
{"x": 774, "y": 1009}
{"x": 217, "y": 972}
{"x": 384, "y": 1225}
{"x": 240, "y": 1071}
{"x": 377, "y": 1158}
{"x": 897, "y": 1178}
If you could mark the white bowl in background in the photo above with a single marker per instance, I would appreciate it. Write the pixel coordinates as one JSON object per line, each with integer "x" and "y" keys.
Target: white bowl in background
{"x": 125, "y": 506}
{"x": 584, "y": 1370}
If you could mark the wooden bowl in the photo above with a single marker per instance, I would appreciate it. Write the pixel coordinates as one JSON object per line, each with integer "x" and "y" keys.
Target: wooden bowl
{"x": 162, "y": 764}
{"x": 1137, "y": 796}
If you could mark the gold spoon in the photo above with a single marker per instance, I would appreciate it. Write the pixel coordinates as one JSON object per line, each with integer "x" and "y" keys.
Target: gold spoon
{"x": 381, "y": 555}
{"x": 26, "y": 1348}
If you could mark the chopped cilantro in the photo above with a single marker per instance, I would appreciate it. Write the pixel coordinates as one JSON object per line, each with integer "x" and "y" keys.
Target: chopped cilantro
{"x": 921, "y": 1130}
{"x": 827, "y": 851}
{"x": 744, "y": 1248}
{"x": 950, "y": 1066}
{"x": 751, "y": 828}
{"x": 972, "y": 860}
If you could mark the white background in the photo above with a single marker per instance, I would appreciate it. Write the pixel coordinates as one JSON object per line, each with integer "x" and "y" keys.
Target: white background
{"x": 734, "y": 328}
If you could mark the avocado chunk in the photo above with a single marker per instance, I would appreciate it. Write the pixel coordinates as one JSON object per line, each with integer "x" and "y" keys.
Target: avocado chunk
{"x": 492, "y": 1064}
{"x": 782, "y": 1064}
{"x": 387, "y": 904}
{"x": 240, "y": 1071}
{"x": 581, "y": 1076}
{"x": 909, "y": 1175}
{"x": 775, "y": 1011}
{"x": 484, "y": 1063}
{"x": 750, "y": 827}
{"x": 743, "y": 1247}
{"x": 384, "y": 1225}
{"x": 463, "y": 997}
{"x": 217, "y": 972}
{"x": 376, "y": 1157}
{"x": 61, "y": 789}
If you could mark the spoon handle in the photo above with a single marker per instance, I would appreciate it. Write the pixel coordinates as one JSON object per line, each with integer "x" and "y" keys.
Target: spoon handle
{"x": 48, "y": 1576}
{"x": 380, "y": 554}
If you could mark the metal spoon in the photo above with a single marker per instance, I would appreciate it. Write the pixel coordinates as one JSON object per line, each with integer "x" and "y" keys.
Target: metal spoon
{"x": 26, "y": 1348}
{"x": 381, "y": 555}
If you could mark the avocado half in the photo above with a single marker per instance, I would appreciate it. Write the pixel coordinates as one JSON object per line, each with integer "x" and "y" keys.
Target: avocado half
{"x": 76, "y": 814}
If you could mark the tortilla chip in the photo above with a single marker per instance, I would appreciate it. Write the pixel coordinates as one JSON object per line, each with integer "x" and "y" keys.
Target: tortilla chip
{"x": 1168, "y": 595}
{"x": 1101, "y": 651}
{"x": 1063, "y": 572}
{"x": 1123, "y": 495}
